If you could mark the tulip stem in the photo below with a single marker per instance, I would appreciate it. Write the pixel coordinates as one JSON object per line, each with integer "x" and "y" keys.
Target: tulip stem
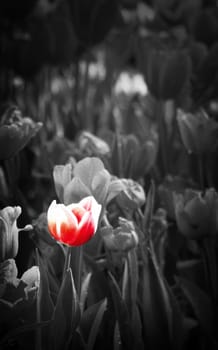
{"x": 67, "y": 260}
{"x": 77, "y": 266}
{"x": 78, "y": 279}
{"x": 74, "y": 259}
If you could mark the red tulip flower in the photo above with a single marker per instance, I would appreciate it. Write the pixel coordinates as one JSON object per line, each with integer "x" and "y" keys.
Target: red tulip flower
{"x": 74, "y": 224}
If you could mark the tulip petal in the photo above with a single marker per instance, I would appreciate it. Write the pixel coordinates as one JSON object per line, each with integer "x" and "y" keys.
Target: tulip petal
{"x": 86, "y": 229}
{"x": 9, "y": 232}
{"x": 67, "y": 226}
{"x": 87, "y": 168}
{"x": 76, "y": 223}
{"x": 62, "y": 223}
{"x": 78, "y": 211}
{"x": 90, "y": 204}
{"x": 51, "y": 217}
{"x": 62, "y": 176}
{"x": 87, "y": 203}
{"x": 75, "y": 190}
{"x": 100, "y": 185}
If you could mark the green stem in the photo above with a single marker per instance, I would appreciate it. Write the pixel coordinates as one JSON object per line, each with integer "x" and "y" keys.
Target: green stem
{"x": 78, "y": 278}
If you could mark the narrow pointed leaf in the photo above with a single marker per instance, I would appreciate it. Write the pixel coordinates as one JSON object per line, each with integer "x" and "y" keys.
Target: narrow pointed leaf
{"x": 84, "y": 290}
{"x": 178, "y": 331}
{"x": 149, "y": 207}
{"x": 117, "y": 341}
{"x": 125, "y": 283}
{"x": 153, "y": 308}
{"x": 45, "y": 304}
{"x": 121, "y": 314}
{"x": 96, "y": 325}
{"x": 133, "y": 273}
{"x": 134, "y": 310}
{"x": 66, "y": 315}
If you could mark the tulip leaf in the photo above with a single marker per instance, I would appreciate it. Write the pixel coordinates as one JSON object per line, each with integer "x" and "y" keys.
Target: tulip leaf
{"x": 84, "y": 290}
{"x": 125, "y": 282}
{"x": 66, "y": 314}
{"x": 134, "y": 279}
{"x": 178, "y": 329}
{"x": 122, "y": 314}
{"x": 130, "y": 279}
{"x": 117, "y": 341}
{"x": 155, "y": 308}
{"x": 45, "y": 301}
{"x": 133, "y": 269}
{"x": 87, "y": 319}
{"x": 129, "y": 293}
{"x": 96, "y": 325}
{"x": 201, "y": 304}
{"x": 149, "y": 208}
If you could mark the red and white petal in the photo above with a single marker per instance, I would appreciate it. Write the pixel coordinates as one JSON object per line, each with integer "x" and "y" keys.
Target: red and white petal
{"x": 62, "y": 224}
{"x": 51, "y": 218}
{"x": 87, "y": 202}
{"x": 90, "y": 204}
{"x": 77, "y": 210}
{"x": 86, "y": 229}
{"x": 67, "y": 225}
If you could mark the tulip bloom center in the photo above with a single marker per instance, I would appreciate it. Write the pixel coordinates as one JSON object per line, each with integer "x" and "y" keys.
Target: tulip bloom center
{"x": 74, "y": 224}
